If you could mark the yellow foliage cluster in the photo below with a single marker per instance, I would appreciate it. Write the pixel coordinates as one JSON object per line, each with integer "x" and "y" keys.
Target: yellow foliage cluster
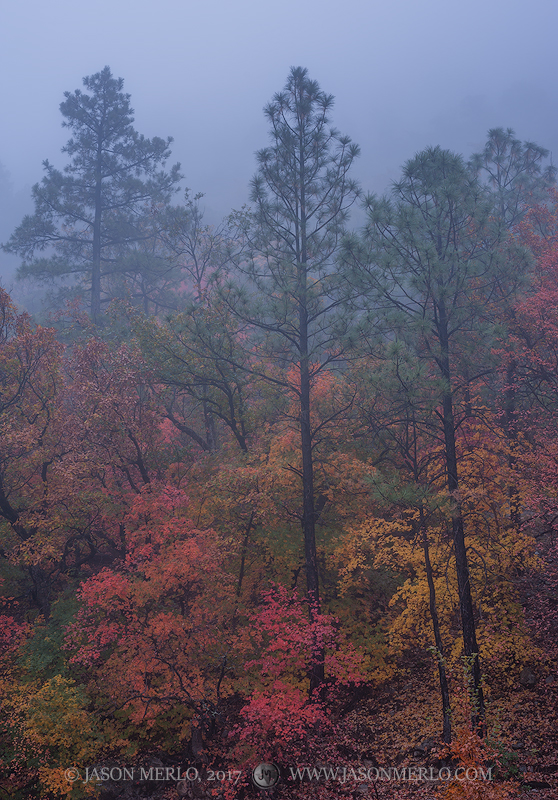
{"x": 55, "y": 730}
{"x": 393, "y": 542}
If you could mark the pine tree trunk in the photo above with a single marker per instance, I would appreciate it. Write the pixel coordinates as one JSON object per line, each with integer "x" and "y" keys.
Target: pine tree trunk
{"x": 317, "y": 673}
{"x": 308, "y": 507}
{"x": 470, "y": 646}
{"x": 96, "y": 260}
{"x": 444, "y": 689}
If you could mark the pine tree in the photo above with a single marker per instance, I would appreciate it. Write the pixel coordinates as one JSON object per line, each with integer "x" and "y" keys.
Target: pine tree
{"x": 291, "y": 293}
{"x": 430, "y": 262}
{"x": 514, "y": 172}
{"x": 91, "y": 211}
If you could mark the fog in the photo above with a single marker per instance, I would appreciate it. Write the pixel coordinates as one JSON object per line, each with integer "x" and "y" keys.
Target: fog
{"x": 404, "y": 74}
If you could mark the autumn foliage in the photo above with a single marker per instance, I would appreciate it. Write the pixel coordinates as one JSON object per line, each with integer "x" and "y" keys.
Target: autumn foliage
{"x": 153, "y": 593}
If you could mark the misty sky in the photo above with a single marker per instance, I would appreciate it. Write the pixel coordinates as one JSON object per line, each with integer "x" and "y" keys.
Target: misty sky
{"x": 405, "y": 74}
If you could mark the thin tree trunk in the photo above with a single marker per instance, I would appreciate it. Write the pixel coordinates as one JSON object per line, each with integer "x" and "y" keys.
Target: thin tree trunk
{"x": 470, "y": 645}
{"x": 96, "y": 260}
{"x": 317, "y": 671}
{"x": 444, "y": 689}
{"x": 309, "y": 518}
{"x": 511, "y": 434}
{"x": 209, "y": 424}
{"x": 243, "y": 552}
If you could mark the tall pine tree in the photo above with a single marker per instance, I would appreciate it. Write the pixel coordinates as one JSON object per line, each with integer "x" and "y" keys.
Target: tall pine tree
{"x": 433, "y": 264}
{"x": 91, "y": 211}
{"x": 291, "y": 295}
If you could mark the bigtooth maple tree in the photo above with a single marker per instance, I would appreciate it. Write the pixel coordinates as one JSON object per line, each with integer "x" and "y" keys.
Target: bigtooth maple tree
{"x": 117, "y": 426}
{"x": 529, "y": 360}
{"x": 79, "y": 440}
{"x": 279, "y": 718}
{"x": 31, "y": 443}
{"x": 154, "y": 631}
{"x": 532, "y": 350}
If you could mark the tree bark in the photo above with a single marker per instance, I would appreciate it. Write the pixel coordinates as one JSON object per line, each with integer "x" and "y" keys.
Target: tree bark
{"x": 470, "y": 646}
{"x": 444, "y": 689}
{"x": 96, "y": 258}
